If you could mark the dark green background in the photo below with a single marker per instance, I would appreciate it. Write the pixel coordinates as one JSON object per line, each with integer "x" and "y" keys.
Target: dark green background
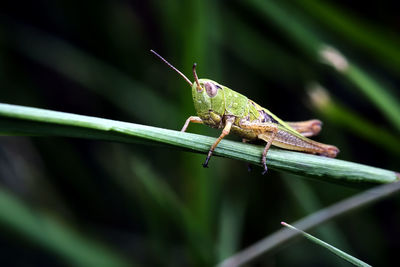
{"x": 156, "y": 206}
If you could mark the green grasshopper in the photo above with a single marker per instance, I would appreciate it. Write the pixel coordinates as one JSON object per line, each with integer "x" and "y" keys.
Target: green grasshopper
{"x": 220, "y": 107}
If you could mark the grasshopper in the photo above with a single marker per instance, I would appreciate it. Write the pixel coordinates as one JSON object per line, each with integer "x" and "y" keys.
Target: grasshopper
{"x": 220, "y": 107}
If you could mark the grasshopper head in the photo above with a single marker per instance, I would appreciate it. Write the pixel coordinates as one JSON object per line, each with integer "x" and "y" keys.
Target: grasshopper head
{"x": 208, "y": 95}
{"x": 206, "y": 88}
{"x": 202, "y": 86}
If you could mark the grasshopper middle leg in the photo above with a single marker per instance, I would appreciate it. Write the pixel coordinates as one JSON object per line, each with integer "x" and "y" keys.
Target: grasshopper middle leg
{"x": 225, "y": 132}
{"x": 266, "y": 148}
{"x": 265, "y": 131}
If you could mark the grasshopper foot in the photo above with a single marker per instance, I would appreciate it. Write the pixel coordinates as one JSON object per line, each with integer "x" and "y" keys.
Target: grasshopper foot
{"x": 264, "y": 163}
{"x": 265, "y": 170}
{"x": 205, "y": 164}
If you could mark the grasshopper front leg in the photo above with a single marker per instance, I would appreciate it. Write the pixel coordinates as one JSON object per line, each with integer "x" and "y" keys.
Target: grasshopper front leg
{"x": 193, "y": 119}
{"x": 265, "y": 131}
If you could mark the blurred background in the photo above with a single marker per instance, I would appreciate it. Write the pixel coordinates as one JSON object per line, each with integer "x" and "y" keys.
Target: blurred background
{"x": 75, "y": 202}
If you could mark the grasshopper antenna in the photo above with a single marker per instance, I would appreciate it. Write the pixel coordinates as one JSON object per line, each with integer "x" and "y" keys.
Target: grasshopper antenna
{"x": 196, "y": 78}
{"x": 172, "y": 67}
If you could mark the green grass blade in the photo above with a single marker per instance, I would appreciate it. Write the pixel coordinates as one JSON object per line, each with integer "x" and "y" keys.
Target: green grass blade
{"x": 275, "y": 240}
{"x": 230, "y": 226}
{"x": 331, "y": 248}
{"x": 350, "y": 120}
{"x": 57, "y": 237}
{"x": 161, "y": 194}
{"x": 378, "y": 94}
{"x": 22, "y": 120}
{"x": 309, "y": 201}
{"x": 371, "y": 88}
{"x": 277, "y": 14}
{"x": 380, "y": 42}
{"x": 249, "y": 41}
{"x": 300, "y": 31}
{"x": 117, "y": 87}
{"x": 198, "y": 47}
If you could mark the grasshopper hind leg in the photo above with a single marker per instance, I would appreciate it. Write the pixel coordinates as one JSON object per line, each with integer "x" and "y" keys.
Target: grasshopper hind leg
{"x": 307, "y": 128}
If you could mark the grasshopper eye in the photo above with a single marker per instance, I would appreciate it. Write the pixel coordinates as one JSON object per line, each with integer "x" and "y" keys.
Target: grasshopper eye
{"x": 211, "y": 89}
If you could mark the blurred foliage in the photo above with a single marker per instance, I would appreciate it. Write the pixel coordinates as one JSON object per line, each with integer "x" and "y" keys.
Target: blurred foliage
{"x": 155, "y": 206}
